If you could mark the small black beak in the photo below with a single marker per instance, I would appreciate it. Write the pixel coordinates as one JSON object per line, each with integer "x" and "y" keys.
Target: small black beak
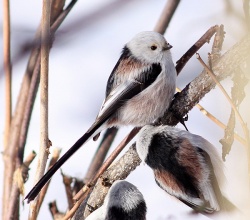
{"x": 167, "y": 46}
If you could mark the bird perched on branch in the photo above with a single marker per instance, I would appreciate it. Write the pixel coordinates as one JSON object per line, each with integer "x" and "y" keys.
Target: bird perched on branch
{"x": 139, "y": 91}
{"x": 123, "y": 202}
{"x": 185, "y": 165}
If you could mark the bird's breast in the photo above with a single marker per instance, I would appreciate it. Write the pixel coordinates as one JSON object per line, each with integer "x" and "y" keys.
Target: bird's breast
{"x": 150, "y": 104}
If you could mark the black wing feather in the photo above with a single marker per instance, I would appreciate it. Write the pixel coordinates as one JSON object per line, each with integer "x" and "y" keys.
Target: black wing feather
{"x": 164, "y": 146}
{"x": 126, "y": 53}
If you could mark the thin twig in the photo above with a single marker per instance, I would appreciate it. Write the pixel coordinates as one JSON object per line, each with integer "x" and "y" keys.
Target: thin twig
{"x": 243, "y": 124}
{"x": 216, "y": 121}
{"x": 44, "y": 140}
{"x": 20, "y": 177}
{"x": 8, "y": 106}
{"x": 54, "y": 158}
{"x": 67, "y": 181}
{"x": 246, "y": 13}
{"x": 186, "y": 57}
{"x": 7, "y": 68}
{"x": 217, "y": 45}
{"x": 55, "y": 212}
{"x": 27, "y": 112}
{"x": 101, "y": 153}
{"x": 166, "y": 16}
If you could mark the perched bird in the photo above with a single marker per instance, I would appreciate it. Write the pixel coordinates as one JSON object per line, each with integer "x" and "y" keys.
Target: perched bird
{"x": 139, "y": 90}
{"x": 123, "y": 202}
{"x": 185, "y": 165}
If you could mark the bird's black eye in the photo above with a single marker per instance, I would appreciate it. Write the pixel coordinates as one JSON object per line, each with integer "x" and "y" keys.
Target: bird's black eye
{"x": 153, "y": 47}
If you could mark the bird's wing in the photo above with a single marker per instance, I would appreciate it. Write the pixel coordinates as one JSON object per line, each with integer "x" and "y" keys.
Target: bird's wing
{"x": 126, "y": 60}
{"x": 116, "y": 99}
{"x": 125, "y": 91}
{"x": 175, "y": 173}
{"x": 168, "y": 183}
{"x": 223, "y": 202}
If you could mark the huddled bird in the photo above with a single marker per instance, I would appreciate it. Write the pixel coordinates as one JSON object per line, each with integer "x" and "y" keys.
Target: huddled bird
{"x": 185, "y": 165}
{"x": 138, "y": 92}
{"x": 123, "y": 202}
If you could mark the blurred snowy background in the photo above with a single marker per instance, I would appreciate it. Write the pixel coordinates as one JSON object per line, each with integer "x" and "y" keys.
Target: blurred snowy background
{"x": 83, "y": 55}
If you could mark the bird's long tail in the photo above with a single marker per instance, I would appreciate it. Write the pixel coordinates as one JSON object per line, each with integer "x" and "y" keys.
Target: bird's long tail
{"x": 113, "y": 102}
{"x": 46, "y": 177}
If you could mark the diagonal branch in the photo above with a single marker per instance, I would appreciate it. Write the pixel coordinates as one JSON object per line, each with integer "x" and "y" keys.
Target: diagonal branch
{"x": 54, "y": 158}
{"x": 166, "y": 16}
{"x": 101, "y": 153}
{"x": 198, "y": 44}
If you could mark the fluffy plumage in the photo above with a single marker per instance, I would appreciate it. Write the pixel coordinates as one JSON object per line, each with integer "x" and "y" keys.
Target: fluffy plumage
{"x": 123, "y": 202}
{"x": 185, "y": 165}
{"x": 139, "y": 90}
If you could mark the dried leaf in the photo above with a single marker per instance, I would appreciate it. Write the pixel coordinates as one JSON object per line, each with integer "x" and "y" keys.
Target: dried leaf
{"x": 228, "y": 139}
{"x": 237, "y": 92}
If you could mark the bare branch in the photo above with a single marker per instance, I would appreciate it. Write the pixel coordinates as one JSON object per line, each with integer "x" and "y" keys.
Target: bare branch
{"x": 7, "y": 68}
{"x": 8, "y": 106}
{"x": 246, "y": 12}
{"x": 101, "y": 153}
{"x": 217, "y": 45}
{"x": 67, "y": 181}
{"x": 56, "y": 9}
{"x": 54, "y": 158}
{"x": 55, "y": 212}
{"x": 166, "y": 16}
{"x": 19, "y": 178}
{"x": 186, "y": 57}
{"x": 117, "y": 171}
{"x": 44, "y": 139}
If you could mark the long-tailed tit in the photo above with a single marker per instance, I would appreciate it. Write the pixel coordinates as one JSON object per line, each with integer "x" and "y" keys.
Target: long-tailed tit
{"x": 185, "y": 165}
{"x": 139, "y": 90}
{"x": 123, "y": 202}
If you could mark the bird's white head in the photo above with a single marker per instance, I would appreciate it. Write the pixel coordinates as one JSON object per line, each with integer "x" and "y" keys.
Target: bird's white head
{"x": 150, "y": 46}
{"x": 123, "y": 201}
{"x": 124, "y": 195}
